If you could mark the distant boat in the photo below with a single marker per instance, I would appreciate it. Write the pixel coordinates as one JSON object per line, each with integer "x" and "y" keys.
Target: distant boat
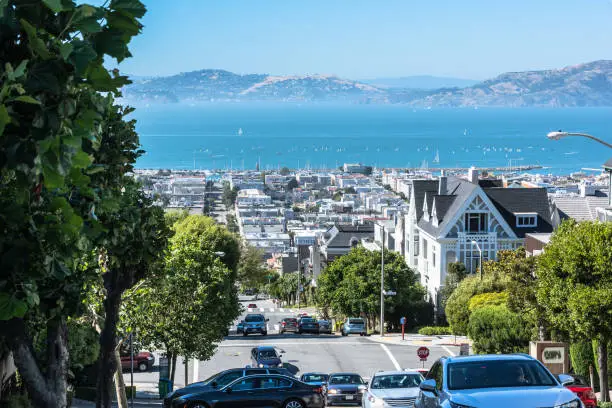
{"x": 240, "y": 132}
{"x": 436, "y": 159}
{"x": 465, "y": 132}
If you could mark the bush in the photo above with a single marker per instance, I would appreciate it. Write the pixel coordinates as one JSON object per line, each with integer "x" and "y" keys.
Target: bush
{"x": 85, "y": 393}
{"x": 488, "y": 299}
{"x": 604, "y": 405}
{"x": 495, "y": 329}
{"x": 434, "y": 330}
{"x": 581, "y": 356}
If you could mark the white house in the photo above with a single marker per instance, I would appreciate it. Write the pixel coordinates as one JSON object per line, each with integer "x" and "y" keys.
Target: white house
{"x": 251, "y": 197}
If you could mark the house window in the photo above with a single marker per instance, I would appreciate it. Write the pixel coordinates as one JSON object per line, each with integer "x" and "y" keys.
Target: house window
{"x": 416, "y": 245}
{"x": 424, "y": 248}
{"x": 526, "y": 220}
{"x": 476, "y": 222}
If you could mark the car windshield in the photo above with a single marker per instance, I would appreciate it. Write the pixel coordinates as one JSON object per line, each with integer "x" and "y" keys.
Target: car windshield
{"x": 267, "y": 354}
{"x": 345, "y": 379}
{"x": 396, "y": 381}
{"x": 308, "y": 320}
{"x": 314, "y": 378}
{"x": 355, "y": 321}
{"x": 254, "y": 318}
{"x": 291, "y": 320}
{"x": 498, "y": 374}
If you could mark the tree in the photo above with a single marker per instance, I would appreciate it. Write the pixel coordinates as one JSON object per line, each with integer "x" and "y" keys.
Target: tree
{"x": 574, "y": 286}
{"x": 252, "y": 273}
{"x": 455, "y": 273}
{"x": 291, "y": 184}
{"x": 229, "y": 195}
{"x": 350, "y": 285}
{"x": 51, "y": 117}
{"x": 285, "y": 171}
{"x": 368, "y": 170}
{"x": 495, "y": 329}
{"x": 350, "y": 190}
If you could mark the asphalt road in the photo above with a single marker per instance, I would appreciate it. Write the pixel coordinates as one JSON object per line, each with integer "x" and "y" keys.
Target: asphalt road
{"x": 302, "y": 353}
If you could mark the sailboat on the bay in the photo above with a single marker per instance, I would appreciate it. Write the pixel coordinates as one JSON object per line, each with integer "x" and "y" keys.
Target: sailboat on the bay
{"x": 240, "y": 132}
{"x": 436, "y": 159}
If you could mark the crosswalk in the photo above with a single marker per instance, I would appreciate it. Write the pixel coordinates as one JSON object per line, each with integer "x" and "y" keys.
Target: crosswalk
{"x": 270, "y": 310}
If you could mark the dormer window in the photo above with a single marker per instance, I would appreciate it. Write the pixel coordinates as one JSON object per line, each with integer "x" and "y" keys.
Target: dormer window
{"x": 526, "y": 220}
{"x": 476, "y": 222}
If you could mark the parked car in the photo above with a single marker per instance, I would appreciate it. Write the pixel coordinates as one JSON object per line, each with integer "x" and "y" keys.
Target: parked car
{"x": 515, "y": 380}
{"x": 143, "y": 361}
{"x": 344, "y": 388}
{"x": 220, "y": 380}
{"x": 319, "y": 379}
{"x": 252, "y": 306}
{"x": 422, "y": 371}
{"x": 580, "y": 386}
{"x": 256, "y": 391}
{"x": 308, "y": 325}
{"x": 325, "y": 326}
{"x": 392, "y": 389}
{"x": 240, "y": 327}
{"x": 354, "y": 325}
{"x": 265, "y": 357}
{"x": 289, "y": 324}
{"x": 255, "y": 323}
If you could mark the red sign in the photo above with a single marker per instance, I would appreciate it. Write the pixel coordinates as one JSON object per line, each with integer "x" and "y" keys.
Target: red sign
{"x": 423, "y": 353}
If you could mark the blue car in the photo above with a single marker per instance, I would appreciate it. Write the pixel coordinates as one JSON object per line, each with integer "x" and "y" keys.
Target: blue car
{"x": 499, "y": 381}
{"x": 265, "y": 357}
{"x": 319, "y": 379}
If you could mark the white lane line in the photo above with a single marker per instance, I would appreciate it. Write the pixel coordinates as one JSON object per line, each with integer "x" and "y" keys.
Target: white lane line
{"x": 261, "y": 309}
{"x": 393, "y": 360}
{"x": 282, "y": 310}
{"x": 294, "y": 343}
{"x": 449, "y": 351}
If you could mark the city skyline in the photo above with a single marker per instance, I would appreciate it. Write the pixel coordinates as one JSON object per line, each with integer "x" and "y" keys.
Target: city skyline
{"x": 361, "y": 40}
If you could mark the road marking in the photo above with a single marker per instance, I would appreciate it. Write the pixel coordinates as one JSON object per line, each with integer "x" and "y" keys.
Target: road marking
{"x": 282, "y": 310}
{"x": 393, "y": 360}
{"x": 449, "y": 351}
{"x": 261, "y": 309}
{"x": 294, "y": 343}
{"x": 271, "y": 310}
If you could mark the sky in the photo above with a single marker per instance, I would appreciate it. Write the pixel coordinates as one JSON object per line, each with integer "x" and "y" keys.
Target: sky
{"x": 472, "y": 39}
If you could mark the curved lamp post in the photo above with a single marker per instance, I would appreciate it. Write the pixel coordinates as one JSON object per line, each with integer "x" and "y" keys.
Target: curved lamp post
{"x": 560, "y": 135}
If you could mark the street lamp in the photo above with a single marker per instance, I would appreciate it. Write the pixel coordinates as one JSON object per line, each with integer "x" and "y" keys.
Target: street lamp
{"x": 559, "y": 135}
{"x": 382, "y": 283}
{"x": 480, "y": 252}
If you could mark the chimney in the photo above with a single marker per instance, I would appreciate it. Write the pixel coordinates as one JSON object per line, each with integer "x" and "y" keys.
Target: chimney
{"x": 473, "y": 175}
{"x": 442, "y": 184}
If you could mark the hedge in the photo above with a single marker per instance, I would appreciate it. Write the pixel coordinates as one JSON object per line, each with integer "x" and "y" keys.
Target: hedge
{"x": 488, "y": 299}
{"x": 434, "y": 330}
{"x": 581, "y": 356}
{"x": 495, "y": 329}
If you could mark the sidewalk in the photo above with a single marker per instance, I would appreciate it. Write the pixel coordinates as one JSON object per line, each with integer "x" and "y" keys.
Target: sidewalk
{"x": 417, "y": 340}
{"x": 138, "y": 403}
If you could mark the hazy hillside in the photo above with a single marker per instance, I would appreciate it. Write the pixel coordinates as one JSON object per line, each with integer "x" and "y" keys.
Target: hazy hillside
{"x": 581, "y": 85}
{"x": 421, "y": 82}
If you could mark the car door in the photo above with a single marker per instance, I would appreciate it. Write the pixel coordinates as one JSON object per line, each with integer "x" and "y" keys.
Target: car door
{"x": 274, "y": 392}
{"x": 254, "y": 357}
{"x": 429, "y": 399}
{"x": 241, "y": 394}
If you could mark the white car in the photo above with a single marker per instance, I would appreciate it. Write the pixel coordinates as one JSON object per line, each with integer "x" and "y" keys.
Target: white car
{"x": 388, "y": 389}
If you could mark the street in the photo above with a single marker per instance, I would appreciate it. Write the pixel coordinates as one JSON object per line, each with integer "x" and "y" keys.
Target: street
{"x": 302, "y": 353}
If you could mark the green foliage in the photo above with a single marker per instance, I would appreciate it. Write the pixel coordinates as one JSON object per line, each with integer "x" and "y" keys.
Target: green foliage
{"x": 455, "y": 273}
{"x": 285, "y": 171}
{"x": 285, "y": 287}
{"x": 435, "y": 330}
{"x": 83, "y": 345}
{"x": 495, "y": 329}
{"x": 488, "y": 299}
{"x": 351, "y": 285}
{"x": 457, "y": 306}
{"x": 581, "y": 357}
{"x": 229, "y": 195}
{"x": 85, "y": 393}
{"x": 252, "y": 274}
{"x": 604, "y": 404}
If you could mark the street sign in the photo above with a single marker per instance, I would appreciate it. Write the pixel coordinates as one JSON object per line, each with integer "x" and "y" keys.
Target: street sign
{"x": 403, "y": 320}
{"x": 423, "y": 353}
{"x": 390, "y": 293}
{"x": 403, "y": 323}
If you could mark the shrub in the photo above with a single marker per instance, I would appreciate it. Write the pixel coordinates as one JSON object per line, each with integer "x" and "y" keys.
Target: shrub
{"x": 604, "y": 405}
{"x": 495, "y": 329}
{"x": 434, "y": 330}
{"x": 581, "y": 356}
{"x": 488, "y": 299}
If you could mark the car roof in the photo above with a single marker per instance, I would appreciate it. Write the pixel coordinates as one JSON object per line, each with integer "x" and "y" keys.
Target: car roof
{"x": 488, "y": 357}
{"x": 261, "y": 348}
{"x": 395, "y": 373}
{"x": 314, "y": 373}
{"x": 344, "y": 374}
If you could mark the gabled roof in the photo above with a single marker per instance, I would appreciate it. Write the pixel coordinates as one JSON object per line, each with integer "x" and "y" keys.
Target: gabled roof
{"x": 608, "y": 165}
{"x": 442, "y": 204}
{"x": 341, "y": 235}
{"x": 419, "y": 188}
{"x": 579, "y": 208}
{"x": 510, "y": 201}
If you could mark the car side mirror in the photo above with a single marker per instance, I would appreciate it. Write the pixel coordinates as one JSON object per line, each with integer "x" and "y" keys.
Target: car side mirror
{"x": 565, "y": 379}
{"x": 228, "y": 390}
{"x": 429, "y": 386}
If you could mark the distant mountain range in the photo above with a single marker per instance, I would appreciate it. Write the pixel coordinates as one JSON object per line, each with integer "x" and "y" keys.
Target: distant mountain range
{"x": 421, "y": 82}
{"x": 587, "y": 84}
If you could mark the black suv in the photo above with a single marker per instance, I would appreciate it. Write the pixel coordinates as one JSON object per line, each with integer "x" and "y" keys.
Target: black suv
{"x": 220, "y": 380}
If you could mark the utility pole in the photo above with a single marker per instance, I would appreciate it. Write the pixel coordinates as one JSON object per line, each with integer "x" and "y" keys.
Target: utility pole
{"x": 382, "y": 284}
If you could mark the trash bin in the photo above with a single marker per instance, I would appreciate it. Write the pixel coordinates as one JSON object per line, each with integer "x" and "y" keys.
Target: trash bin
{"x": 165, "y": 387}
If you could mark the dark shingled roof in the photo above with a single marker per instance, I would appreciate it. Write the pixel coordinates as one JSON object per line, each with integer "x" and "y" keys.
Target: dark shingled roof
{"x": 340, "y": 235}
{"x": 509, "y": 201}
{"x": 419, "y": 188}
{"x": 608, "y": 165}
{"x": 488, "y": 183}
{"x": 442, "y": 203}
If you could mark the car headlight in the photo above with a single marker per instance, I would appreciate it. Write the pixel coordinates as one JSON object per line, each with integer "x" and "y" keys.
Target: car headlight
{"x": 261, "y": 365}
{"x": 455, "y": 405}
{"x": 572, "y": 404}
{"x": 280, "y": 365}
{"x": 333, "y": 391}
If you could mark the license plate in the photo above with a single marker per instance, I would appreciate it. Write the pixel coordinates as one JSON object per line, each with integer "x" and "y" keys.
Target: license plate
{"x": 349, "y": 397}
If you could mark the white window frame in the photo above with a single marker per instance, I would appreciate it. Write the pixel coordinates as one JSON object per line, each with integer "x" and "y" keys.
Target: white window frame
{"x": 526, "y": 220}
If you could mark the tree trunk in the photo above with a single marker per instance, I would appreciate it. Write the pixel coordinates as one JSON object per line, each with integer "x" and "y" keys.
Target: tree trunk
{"x": 602, "y": 350}
{"x": 108, "y": 342}
{"x": 186, "y": 364}
{"x": 173, "y": 372}
{"x": 45, "y": 391}
{"x": 119, "y": 383}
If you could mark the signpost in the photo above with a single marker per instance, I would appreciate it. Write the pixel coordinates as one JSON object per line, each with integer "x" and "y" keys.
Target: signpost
{"x": 423, "y": 353}
{"x": 403, "y": 323}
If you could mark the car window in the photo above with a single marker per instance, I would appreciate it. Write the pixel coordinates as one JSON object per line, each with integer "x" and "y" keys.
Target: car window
{"x": 290, "y": 320}
{"x": 275, "y": 383}
{"x": 396, "y": 381}
{"x": 498, "y": 374}
{"x": 248, "y": 384}
{"x": 355, "y": 321}
{"x": 345, "y": 379}
{"x": 267, "y": 354}
{"x": 255, "y": 371}
{"x": 254, "y": 318}
{"x": 225, "y": 379}
{"x": 314, "y": 377}
{"x": 308, "y": 320}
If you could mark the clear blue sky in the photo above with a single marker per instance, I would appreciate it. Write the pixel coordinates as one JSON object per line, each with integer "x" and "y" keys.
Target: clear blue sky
{"x": 357, "y": 39}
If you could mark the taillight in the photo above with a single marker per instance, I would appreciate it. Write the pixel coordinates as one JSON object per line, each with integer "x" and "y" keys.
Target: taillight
{"x": 284, "y": 324}
{"x": 318, "y": 390}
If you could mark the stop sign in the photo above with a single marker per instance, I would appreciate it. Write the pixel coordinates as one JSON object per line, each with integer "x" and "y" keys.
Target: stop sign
{"x": 423, "y": 353}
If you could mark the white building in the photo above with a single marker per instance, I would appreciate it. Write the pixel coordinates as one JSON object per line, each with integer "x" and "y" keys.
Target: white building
{"x": 252, "y": 197}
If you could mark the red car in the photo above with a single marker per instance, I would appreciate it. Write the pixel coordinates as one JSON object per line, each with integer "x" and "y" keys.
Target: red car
{"x": 143, "y": 361}
{"x": 252, "y": 306}
{"x": 581, "y": 388}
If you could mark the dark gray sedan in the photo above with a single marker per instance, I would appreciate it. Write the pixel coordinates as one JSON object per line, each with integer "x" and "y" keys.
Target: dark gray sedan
{"x": 344, "y": 389}
{"x": 325, "y": 326}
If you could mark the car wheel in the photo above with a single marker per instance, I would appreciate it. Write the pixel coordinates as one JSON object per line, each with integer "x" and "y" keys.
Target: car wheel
{"x": 264, "y": 333}
{"x": 244, "y": 334}
{"x": 198, "y": 405}
{"x": 343, "y": 333}
{"x": 142, "y": 366}
{"x": 294, "y": 403}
